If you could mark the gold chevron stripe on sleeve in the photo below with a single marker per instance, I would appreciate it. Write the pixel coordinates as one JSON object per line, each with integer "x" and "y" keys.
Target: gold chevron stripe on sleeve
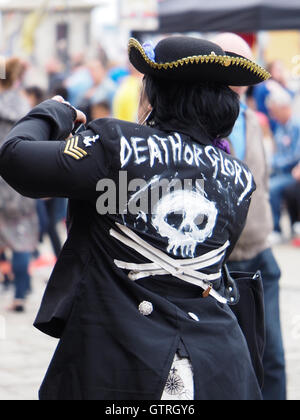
{"x": 72, "y": 149}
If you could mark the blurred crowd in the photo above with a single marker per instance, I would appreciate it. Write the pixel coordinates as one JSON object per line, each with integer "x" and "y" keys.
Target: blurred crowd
{"x": 276, "y": 105}
{"x": 102, "y": 89}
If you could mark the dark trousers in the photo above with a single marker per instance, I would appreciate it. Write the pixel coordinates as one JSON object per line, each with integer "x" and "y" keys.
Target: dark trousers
{"x": 278, "y": 185}
{"x": 292, "y": 197}
{"x": 20, "y": 266}
{"x": 274, "y": 361}
{"x": 53, "y": 208}
{"x": 50, "y": 212}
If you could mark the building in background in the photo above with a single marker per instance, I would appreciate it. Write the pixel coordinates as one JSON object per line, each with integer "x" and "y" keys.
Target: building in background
{"x": 40, "y": 29}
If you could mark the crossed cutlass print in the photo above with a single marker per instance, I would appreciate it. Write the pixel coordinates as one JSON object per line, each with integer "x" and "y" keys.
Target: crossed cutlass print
{"x": 161, "y": 264}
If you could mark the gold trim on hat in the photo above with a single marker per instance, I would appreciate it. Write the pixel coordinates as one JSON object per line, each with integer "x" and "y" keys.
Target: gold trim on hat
{"x": 224, "y": 60}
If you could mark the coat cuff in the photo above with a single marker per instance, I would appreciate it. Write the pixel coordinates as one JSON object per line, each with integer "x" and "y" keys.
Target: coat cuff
{"x": 59, "y": 116}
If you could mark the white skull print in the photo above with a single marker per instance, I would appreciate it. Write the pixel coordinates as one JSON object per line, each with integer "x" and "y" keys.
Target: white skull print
{"x": 186, "y": 218}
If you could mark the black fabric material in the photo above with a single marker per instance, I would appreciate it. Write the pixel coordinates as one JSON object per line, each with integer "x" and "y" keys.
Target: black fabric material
{"x": 175, "y": 48}
{"x": 108, "y": 349}
{"x": 250, "y": 314}
{"x": 292, "y": 197}
{"x": 241, "y": 18}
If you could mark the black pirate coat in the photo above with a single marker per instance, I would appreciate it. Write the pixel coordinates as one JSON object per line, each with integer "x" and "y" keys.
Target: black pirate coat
{"x": 152, "y": 215}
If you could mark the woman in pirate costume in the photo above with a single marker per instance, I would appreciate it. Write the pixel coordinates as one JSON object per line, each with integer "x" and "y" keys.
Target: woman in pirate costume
{"x": 137, "y": 296}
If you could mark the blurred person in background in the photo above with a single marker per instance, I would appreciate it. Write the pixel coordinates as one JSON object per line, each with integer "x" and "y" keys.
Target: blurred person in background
{"x": 50, "y": 211}
{"x": 264, "y": 121}
{"x": 101, "y": 104}
{"x": 102, "y": 91}
{"x": 35, "y": 95}
{"x": 101, "y": 80}
{"x": 261, "y": 93}
{"x": 56, "y": 212}
{"x": 56, "y": 77}
{"x": 18, "y": 216}
{"x": 252, "y": 251}
{"x": 59, "y": 90}
{"x": 5, "y": 271}
{"x": 286, "y": 155}
{"x": 127, "y": 98}
{"x": 292, "y": 197}
{"x": 117, "y": 73}
{"x": 79, "y": 81}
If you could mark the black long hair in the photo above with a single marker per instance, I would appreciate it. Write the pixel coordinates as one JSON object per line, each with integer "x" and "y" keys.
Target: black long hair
{"x": 210, "y": 108}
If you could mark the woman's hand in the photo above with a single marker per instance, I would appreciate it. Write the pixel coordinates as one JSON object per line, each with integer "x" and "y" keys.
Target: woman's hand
{"x": 81, "y": 117}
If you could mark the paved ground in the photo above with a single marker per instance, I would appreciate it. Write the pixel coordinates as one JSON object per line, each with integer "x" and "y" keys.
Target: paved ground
{"x": 25, "y": 353}
{"x": 289, "y": 259}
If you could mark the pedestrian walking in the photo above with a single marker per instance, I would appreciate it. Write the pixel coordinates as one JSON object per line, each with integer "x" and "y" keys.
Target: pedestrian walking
{"x": 253, "y": 251}
{"x": 18, "y": 218}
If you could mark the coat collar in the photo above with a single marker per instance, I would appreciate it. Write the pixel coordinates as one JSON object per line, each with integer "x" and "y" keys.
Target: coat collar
{"x": 191, "y": 132}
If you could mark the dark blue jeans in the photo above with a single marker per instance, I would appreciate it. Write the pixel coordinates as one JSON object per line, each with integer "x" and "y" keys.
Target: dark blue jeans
{"x": 274, "y": 361}
{"x": 278, "y": 185}
{"x": 20, "y": 265}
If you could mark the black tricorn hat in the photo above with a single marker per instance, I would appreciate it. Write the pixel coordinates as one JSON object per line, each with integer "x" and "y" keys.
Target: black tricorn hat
{"x": 186, "y": 58}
